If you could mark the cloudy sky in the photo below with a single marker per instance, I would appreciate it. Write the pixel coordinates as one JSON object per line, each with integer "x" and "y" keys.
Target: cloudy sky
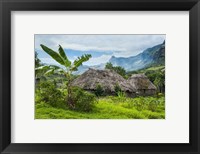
{"x": 101, "y": 47}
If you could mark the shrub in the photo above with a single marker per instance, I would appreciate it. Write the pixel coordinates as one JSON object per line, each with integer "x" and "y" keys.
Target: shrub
{"x": 152, "y": 106}
{"x": 83, "y": 100}
{"x": 47, "y": 92}
{"x": 121, "y": 94}
{"x": 140, "y": 103}
{"x": 99, "y": 90}
{"x": 159, "y": 95}
{"x": 118, "y": 69}
{"x": 117, "y": 89}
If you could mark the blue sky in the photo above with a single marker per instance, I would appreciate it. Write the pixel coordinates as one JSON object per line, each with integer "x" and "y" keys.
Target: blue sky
{"x": 101, "y": 47}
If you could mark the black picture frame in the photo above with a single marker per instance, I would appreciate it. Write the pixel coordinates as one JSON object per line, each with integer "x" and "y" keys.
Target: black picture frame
{"x": 6, "y": 6}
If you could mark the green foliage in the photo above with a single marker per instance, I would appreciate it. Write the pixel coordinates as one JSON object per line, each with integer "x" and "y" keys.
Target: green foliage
{"x": 38, "y": 64}
{"x": 37, "y": 60}
{"x": 99, "y": 90}
{"x": 78, "y": 62}
{"x": 120, "y": 70}
{"x": 159, "y": 95}
{"x": 57, "y": 57}
{"x": 84, "y": 100}
{"x": 69, "y": 67}
{"x": 156, "y": 75}
{"x": 51, "y": 101}
{"x": 147, "y": 70}
{"x": 160, "y": 81}
{"x": 47, "y": 70}
{"x": 117, "y": 89}
{"x": 64, "y": 57}
{"x": 110, "y": 107}
{"x": 109, "y": 66}
{"x": 152, "y": 106}
{"x": 121, "y": 94}
{"x": 158, "y": 78}
{"x": 139, "y": 104}
{"x": 47, "y": 92}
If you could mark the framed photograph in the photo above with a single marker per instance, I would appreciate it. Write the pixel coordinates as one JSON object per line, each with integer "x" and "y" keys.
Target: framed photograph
{"x": 99, "y": 76}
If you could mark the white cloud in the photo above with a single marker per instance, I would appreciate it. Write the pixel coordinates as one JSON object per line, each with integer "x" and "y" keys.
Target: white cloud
{"x": 116, "y": 45}
{"x": 91, "y": 62}
{"x": 120, "y": 45}
{"x": 98, "y": 60}
{"x": 49, "y": 61}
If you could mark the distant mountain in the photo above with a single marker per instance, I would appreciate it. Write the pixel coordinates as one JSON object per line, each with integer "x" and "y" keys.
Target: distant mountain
{"x": 151, "y": 56}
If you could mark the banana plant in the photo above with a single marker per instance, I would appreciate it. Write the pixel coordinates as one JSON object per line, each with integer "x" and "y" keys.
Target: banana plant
{"x": 67, "y": 69}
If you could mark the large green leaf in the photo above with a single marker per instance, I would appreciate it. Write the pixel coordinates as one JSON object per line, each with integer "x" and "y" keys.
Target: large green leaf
{"x": 62, "y": 52}
{"x": 42, "y": 68}
{"x": 49, "y": 72}
{"x": 78, "y": 62}
{"x": 50, "y": 69}
{"x": 53, "y": 54}
{"x": 63, "y": 55}
{"x": 59, "y": 71}
{"x": 54, "y": 67}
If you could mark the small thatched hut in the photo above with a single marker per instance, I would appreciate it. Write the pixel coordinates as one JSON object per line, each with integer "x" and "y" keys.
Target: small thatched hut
{"x": 142, "y": 84}
{"x": 108, "y": 79}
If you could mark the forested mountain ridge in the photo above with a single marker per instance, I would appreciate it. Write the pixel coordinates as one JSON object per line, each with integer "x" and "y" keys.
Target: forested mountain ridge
{"x": 151, "y": 56}
{"x": 154, "y": 56}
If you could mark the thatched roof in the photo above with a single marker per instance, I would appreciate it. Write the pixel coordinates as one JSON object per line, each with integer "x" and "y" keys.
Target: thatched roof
{"x": 108, "y": 79}
{"x": 140, "y": 81}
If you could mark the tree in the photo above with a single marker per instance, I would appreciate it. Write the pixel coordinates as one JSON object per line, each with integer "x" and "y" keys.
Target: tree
{"x": 37, "y": 60}
{"x": 118, "y": 69}
{"x": 160, "y": 82}
{"x": 158, "y": 78}
{"x": 38, "y": 72}
{"x": 109, "y": 66}
{"x": 67, "y": 69}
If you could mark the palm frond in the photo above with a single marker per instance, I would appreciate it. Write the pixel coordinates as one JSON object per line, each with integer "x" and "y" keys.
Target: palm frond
{"x": 49, "y": 72}
{"x": 79, "y": 61}
{"x": 63, "y": 55}
{"x": 53, "y": 54}
{"x": 41, "y": 68}
{"x": 50, "y": 69}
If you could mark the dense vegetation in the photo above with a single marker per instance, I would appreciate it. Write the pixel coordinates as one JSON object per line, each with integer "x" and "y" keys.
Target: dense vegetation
{"x": 118, "y": 69}
{"x": 69, "y": 67}
{"x": 110, "y": 107}
{"x": 56, "y": 98}
{"x": 156, "y": 75}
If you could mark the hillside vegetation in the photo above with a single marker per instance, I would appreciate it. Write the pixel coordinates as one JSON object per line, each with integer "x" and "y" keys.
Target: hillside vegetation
{"x": 109, "y": 108}
{"x": 59, "y": 94}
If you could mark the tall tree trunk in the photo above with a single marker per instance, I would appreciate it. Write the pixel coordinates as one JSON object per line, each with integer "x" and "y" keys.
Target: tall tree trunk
{"x": 69, "y": 99}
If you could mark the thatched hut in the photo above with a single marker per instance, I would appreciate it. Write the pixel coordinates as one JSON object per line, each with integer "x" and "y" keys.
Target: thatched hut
{"x": 108, "y": 79}
{"x": 142, "y": 84}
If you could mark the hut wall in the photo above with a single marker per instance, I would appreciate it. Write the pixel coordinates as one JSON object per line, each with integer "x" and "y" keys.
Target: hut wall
{"x": 129, "y": 94}
{"x": 109, "y": 93}
{"x": 146, "y": 92}
{"x": 150, "y": 92}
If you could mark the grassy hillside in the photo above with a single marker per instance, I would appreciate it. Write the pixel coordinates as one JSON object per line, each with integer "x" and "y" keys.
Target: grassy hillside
{"x": 156, "y": 68}
{"x": 111, "y": 107}
{"x": 151, "y": 68}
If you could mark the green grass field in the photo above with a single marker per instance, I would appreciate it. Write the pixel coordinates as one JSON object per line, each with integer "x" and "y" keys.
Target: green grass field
{"x": 156, "y": 68}
{"x": 111, "y": 107}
